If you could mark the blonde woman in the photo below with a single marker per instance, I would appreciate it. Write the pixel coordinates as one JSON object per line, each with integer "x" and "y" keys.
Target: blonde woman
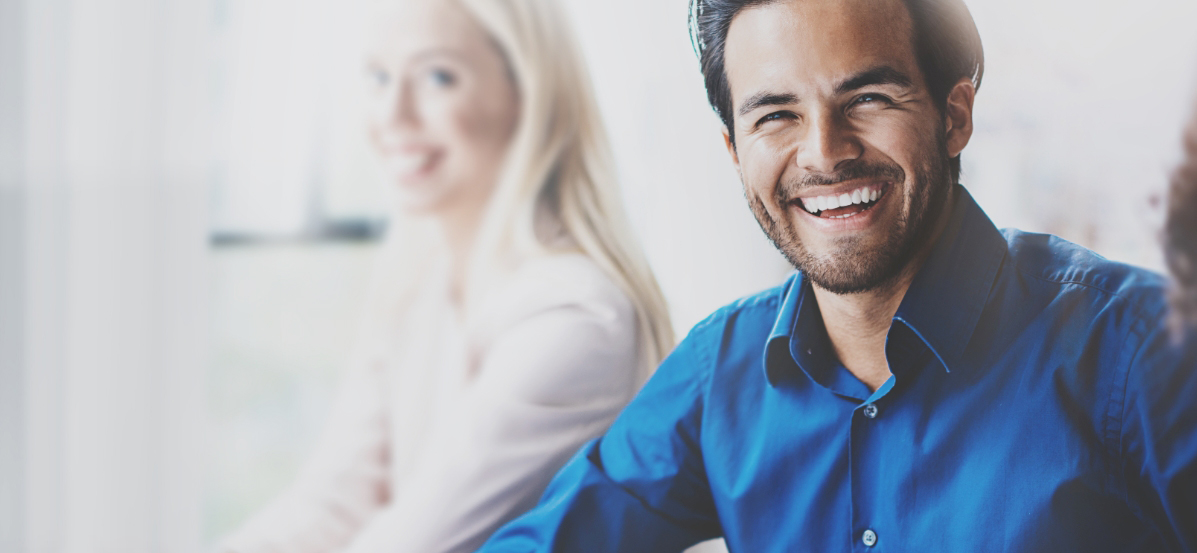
{"x": 514, "y": 315}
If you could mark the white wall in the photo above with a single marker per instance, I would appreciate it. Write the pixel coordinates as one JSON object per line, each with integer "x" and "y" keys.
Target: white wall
{"x": 102, "y": 264}
{"x": 1079, "y": 118}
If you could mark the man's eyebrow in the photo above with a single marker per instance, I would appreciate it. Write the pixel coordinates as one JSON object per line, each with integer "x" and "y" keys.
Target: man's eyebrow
{"x": 875, "y": 76}
{"x": 761, "y": 99}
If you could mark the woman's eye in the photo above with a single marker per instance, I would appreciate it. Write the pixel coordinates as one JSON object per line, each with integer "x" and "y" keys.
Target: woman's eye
{"x": 441, "y": 78}
{"x": 379, "y": 77}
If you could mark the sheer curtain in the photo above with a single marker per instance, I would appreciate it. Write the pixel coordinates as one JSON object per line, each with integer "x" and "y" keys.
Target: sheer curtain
{"x": 103, "y": 243}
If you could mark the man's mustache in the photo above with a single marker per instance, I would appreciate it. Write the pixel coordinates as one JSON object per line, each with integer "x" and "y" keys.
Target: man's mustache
{"x": 855, "y": 171}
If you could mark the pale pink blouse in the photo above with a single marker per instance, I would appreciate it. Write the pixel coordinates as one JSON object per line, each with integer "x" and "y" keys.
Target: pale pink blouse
{"x": 453, "y": 428}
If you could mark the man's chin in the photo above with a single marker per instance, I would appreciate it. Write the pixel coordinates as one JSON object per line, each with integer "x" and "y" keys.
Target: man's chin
{"x": 843, "y": 285}
{"x": 852, "y": 272}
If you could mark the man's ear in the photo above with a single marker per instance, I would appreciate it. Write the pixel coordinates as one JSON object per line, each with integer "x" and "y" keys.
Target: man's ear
{"x": 731, "y": 148}
{"x": 959, "y": 116}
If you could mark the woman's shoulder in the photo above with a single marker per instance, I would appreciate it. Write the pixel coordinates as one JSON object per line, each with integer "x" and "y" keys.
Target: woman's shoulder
{"x": 563, "y": 281}
{"x": 571, "y": 275}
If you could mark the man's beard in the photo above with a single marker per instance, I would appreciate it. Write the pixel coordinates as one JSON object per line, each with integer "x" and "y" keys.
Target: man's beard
{"x": 851, "y": 267}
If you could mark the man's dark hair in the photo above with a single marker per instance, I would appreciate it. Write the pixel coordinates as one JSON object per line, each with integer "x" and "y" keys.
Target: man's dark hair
{"x": 946, "y": 44}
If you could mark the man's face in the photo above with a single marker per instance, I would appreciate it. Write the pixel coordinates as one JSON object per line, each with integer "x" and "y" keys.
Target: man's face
{"x": 839, "y": 144}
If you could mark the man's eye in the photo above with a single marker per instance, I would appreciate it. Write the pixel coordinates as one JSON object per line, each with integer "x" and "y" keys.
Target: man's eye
{"x": 871, "y": 99}
{"x": 775, "y": 116}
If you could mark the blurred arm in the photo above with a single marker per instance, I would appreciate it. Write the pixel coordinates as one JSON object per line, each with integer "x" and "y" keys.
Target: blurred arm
{"x": 342, "y": 485}
{"x": 546, "y": 384}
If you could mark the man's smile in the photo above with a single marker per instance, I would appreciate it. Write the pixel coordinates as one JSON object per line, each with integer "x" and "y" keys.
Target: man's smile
{"x": 844, "y": 204}
{"x": 848, "y": 207}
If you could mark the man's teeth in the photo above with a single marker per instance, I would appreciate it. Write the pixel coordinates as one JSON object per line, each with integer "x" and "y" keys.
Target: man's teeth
{"x": 864, "y": 194}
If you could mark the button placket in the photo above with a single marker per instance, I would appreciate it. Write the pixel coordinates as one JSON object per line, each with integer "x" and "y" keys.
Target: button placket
{"x": 865, "y": 436}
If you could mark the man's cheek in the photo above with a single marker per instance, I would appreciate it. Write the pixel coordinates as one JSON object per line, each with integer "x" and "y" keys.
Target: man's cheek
{"x": 759, "y": 183}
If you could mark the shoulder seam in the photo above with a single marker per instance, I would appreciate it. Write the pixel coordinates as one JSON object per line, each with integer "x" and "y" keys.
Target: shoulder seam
{"x": 1136, "y": 309}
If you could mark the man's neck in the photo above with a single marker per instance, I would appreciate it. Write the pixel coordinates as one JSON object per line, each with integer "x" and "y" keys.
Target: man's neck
{"x": 858, "y": 324}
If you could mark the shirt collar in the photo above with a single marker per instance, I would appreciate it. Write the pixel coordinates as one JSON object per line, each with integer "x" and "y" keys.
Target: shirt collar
{"x": 942, "y": 305}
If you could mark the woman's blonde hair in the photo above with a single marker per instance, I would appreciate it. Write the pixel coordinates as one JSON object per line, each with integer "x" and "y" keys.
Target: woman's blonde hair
{"x": 558, "y": 177}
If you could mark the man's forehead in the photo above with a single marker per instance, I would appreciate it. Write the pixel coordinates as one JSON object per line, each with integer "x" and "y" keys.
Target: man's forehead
{"x": 815, "y": 40}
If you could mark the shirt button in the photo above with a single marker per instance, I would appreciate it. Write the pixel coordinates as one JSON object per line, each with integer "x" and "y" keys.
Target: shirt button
{"x": 870, "y": 411}
{"x": 869, "y": 538}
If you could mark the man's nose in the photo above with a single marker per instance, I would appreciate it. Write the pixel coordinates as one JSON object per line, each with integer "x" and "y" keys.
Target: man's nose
{"x": 829, "y": 141}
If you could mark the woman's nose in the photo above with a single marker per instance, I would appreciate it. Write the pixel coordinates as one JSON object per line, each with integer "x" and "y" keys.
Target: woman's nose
{"x": 398, "y": 106}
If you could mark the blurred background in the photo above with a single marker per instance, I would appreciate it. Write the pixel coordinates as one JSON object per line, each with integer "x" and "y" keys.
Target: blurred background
{"x": 188, "y": 215}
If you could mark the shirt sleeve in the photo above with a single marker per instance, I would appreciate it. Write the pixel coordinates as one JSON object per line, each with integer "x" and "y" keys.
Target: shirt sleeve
{"x": 340, "y": 487}
{"x": 545, "y": 384}
{"x": 639, "y": 488}
{"x": 1159, "y": 437}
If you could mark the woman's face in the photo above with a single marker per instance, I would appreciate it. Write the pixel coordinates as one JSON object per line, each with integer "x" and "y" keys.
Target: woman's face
{"x": 444, "y": 107}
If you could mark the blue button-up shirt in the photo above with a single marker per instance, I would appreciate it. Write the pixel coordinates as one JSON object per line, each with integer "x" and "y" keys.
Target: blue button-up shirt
{"x": 1036, "y": 404}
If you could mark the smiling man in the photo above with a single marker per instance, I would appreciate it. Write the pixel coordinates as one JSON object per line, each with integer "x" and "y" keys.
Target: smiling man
{"x": 924, "y": 382}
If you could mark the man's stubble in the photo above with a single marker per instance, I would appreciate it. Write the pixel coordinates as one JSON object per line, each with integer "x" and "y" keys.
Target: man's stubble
{"x": 852, "y": 267}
